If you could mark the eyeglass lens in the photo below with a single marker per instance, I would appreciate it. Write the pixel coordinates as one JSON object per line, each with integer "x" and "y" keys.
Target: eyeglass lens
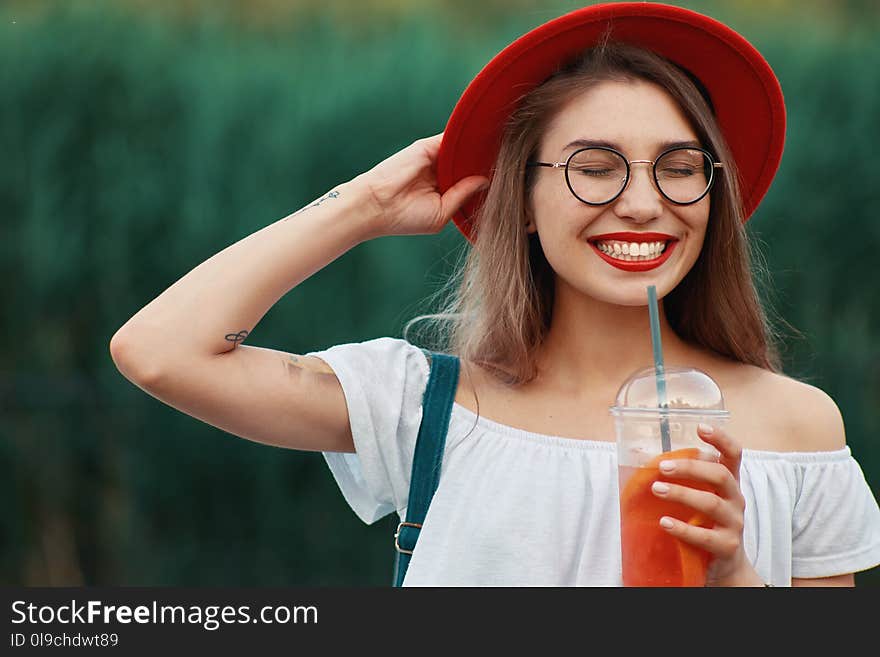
{"x": 596, "y": 175}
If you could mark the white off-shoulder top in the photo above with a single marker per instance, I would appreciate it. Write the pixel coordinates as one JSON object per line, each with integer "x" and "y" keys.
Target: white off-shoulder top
{"x": 516, "y": 508}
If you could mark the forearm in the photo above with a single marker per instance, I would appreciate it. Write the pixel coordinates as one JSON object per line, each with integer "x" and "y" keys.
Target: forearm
{"x": 210, "y": 309}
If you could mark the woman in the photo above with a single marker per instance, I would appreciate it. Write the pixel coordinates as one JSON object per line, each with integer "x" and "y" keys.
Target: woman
{"x": 619, "y": 146}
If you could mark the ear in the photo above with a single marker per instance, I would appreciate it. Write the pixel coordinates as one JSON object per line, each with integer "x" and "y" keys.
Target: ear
{"x": 530, "y": 223}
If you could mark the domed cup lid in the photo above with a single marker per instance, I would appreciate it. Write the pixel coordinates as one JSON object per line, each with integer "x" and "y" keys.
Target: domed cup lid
{"x": 689, "y": 391}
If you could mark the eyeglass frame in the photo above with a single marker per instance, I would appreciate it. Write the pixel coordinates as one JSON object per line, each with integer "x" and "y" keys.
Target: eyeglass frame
{"x": 626, "y": 180}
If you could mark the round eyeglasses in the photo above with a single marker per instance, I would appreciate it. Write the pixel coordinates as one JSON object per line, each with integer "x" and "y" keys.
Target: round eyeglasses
{"x": 599, "y": 174}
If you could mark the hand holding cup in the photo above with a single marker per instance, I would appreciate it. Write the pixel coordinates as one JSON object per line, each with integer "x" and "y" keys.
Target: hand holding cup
{"x": 718, "y": 499}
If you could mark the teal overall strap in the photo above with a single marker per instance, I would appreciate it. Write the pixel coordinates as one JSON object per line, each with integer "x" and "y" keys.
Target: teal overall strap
{"x": 428, "y": 456}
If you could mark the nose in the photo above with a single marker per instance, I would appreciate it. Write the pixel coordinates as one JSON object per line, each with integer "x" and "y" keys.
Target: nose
{"x": 640, "y": 201}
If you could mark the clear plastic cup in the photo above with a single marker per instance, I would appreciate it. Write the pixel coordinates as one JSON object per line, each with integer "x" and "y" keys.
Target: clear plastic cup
{"x": 650, "y": 555}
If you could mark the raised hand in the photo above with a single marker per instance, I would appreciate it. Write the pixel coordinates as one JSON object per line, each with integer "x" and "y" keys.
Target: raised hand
{"x": 403, "y": 189}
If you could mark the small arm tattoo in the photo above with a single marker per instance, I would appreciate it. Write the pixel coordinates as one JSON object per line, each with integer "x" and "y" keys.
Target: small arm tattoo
{"x": 333, "y": 194}
{"x": 235, "y": 338}
{"x": 293, "y": 362}
{"x": 301, "y": 363}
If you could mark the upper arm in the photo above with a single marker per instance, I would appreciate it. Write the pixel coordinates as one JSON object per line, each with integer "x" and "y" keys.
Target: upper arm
{"x": 264, "y": 395}
{"x": 817, "y": 425}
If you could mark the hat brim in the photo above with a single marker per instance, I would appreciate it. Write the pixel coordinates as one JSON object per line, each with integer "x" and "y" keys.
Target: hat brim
{"x": 745, "y": 92}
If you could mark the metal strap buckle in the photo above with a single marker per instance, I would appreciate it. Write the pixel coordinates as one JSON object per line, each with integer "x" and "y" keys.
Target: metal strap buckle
{"x": 397, "y": 535}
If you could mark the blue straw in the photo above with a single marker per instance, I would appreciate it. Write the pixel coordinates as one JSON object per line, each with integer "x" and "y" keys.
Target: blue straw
{"x": 659, "y": 371}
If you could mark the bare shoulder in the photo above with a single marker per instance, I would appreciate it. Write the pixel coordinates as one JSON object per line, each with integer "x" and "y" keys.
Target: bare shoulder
{"x": 795, "y": 415}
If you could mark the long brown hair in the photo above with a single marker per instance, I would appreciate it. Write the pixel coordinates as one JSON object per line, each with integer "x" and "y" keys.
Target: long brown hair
{"x": 499, "y": 304}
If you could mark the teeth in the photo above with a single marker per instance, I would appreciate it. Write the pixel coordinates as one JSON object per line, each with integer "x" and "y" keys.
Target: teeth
{"x": 629, "y": 251}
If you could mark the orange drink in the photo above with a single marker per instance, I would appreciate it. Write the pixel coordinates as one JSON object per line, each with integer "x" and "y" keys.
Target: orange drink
{"x": 649, "y": 431}
{"x": 651, "y": 556}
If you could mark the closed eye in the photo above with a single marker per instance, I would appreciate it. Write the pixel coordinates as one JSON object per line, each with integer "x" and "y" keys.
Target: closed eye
{"x": 688, "y": 171}
{"x": 596, "y": 173}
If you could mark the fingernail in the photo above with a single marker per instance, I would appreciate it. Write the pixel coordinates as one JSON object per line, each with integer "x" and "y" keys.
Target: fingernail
{"x": 667, "y": 466}
{"x": 666, "y": 522}
{"x": 706, "y": 429}
{"x": 660, "y": 488}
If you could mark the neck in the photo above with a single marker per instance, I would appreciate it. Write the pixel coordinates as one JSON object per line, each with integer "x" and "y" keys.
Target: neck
{"x": 595, "y": 345}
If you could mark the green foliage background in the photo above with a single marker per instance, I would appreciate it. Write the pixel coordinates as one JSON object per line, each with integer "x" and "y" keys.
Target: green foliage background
{"x": 141, "y": 138}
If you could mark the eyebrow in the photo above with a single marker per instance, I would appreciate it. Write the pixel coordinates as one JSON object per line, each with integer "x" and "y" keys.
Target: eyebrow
{"x": 662, "y": 146}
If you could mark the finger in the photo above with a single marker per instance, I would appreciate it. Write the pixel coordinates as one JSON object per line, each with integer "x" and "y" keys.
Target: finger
{"x": 730, "y": 449}
{"x": 720, "y": 543}
{"x": 712, "y": 506}
{"x": 455, "y": 196}
{"x": 716, "y": 475}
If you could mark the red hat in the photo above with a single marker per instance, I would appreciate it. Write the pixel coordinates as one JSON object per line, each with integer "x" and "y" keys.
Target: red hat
{"x": 745, "y": 93}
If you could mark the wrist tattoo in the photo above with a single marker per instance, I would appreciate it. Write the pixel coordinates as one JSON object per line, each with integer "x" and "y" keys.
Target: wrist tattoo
{"x": 333, "y": 194}
{"x": 235, "y": 338}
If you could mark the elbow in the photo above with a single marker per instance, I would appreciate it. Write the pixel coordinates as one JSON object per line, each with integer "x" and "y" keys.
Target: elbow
{"x": 130, "y": 356}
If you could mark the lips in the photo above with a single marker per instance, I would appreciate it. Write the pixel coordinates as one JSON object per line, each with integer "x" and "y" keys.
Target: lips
{"x": 633, "y": 237}
{"x": 635, "y": 265}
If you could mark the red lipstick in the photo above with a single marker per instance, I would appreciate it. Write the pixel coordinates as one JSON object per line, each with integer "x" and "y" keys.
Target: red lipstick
{"x": 633, "y": 237}
{"x": 635, "y": 265}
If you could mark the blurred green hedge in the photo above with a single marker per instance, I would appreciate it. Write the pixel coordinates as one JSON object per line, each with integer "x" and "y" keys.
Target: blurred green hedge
{"x": 137, "y": 146}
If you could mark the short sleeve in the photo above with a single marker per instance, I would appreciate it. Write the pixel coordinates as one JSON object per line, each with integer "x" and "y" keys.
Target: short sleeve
{"x": 836, "y": 523}
{"x": 383, "y": 381}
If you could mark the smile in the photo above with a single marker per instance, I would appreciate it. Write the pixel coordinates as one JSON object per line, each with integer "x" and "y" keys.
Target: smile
{"x": 634, "y": 251}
